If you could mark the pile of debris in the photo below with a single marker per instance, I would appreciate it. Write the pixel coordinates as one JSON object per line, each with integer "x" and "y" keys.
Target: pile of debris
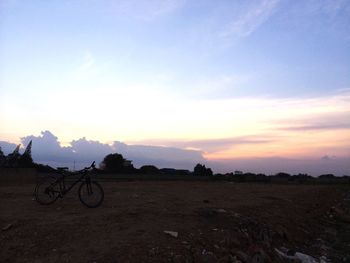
{"x": 239, "y": 239}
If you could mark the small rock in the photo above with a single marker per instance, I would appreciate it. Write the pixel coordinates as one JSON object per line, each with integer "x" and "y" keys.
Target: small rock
{"x": 172, "y": 233}
{"x": 205, "y": 201}
{"x": 220, "y": 210}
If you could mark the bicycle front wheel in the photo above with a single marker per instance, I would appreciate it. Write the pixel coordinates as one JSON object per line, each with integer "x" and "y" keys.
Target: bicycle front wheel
{"x": 47, "y": 191}
{"x": 91, "y": 194}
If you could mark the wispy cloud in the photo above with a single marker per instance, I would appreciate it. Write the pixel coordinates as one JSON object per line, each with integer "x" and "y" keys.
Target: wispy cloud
{"x": 344, "y": 90}
{"x": 322, "y": 122}
{"x": 318, "y": 127}
{"x": 218, "y": 144}
{"x": 249, "y": 21}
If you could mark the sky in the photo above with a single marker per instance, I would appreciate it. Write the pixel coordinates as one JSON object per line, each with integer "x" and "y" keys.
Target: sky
{"x": 230, "y": 82}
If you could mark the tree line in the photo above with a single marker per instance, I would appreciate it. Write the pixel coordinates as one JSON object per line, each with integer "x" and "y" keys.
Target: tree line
{"x": 116, "y": 163}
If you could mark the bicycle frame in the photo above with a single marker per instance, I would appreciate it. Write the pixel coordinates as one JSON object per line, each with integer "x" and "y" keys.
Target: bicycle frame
{"x": 62, "y": 184}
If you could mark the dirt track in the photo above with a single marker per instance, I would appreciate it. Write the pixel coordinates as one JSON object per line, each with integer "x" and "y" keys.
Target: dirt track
{"x": 215, "y": 221}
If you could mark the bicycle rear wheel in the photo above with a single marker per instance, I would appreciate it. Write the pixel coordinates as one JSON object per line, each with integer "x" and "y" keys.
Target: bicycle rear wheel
{"x": 91, "y": 194}
{"x": 47, "y": 191}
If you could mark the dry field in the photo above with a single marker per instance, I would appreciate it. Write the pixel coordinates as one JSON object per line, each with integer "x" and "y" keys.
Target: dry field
{"x": 215, "y": 222}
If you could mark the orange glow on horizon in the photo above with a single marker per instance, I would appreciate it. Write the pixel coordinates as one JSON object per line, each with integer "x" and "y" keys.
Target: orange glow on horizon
{"x": 292, "y": 145}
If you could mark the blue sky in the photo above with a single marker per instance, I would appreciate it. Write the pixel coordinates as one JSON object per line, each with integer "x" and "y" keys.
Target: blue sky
{"x": 179, "y": 72}
{"x": 269, "y": 48}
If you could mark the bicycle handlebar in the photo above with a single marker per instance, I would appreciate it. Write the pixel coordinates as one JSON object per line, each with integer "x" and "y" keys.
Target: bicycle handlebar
{"x": 89, "y": 167}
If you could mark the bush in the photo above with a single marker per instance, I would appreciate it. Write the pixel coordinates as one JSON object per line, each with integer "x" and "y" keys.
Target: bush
{"x": 113, "y": 162}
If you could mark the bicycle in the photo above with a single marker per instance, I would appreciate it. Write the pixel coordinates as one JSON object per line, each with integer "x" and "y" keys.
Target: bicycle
{"x": 90, "y": 192}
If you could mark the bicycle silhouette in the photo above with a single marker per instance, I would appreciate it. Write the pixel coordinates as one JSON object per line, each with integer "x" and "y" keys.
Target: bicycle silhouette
{"x": 90, "y": 192}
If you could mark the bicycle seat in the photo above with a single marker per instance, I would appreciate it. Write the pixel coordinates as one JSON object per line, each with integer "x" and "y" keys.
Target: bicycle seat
{"x": 62, "y": 168}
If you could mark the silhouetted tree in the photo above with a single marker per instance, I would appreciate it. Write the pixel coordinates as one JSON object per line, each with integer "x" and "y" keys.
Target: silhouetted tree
{"x": 113, "y": 162}
{"x": 326, "y": 176}
{"x": 12, "y": 160}
{"x": 2, "y": 158}
{"x": 28, "y": 149}
{"x": 26, "y": 160}
{"x": 201, "y": 170}
{"x": 282, "y": 175}
{"x": 149, "y": 169}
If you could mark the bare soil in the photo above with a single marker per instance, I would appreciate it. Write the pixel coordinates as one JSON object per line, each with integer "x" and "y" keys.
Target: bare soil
{"x": 215, "y": 222}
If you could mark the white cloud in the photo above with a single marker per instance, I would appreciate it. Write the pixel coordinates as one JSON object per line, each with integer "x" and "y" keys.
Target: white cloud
{"x": 48, "y": 150}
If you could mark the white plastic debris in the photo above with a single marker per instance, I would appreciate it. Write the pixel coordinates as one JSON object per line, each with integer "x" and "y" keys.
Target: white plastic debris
{"x": 303, "y": 258}
{"x": 7, "y": 227}
{"x": 172, "y": 233}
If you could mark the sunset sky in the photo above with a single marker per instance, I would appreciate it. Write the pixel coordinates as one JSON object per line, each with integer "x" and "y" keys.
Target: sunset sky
{"x": 231, "y": 79}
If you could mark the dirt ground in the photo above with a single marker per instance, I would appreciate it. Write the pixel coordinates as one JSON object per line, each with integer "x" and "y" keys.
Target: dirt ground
{"x": 215, "y": 222}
